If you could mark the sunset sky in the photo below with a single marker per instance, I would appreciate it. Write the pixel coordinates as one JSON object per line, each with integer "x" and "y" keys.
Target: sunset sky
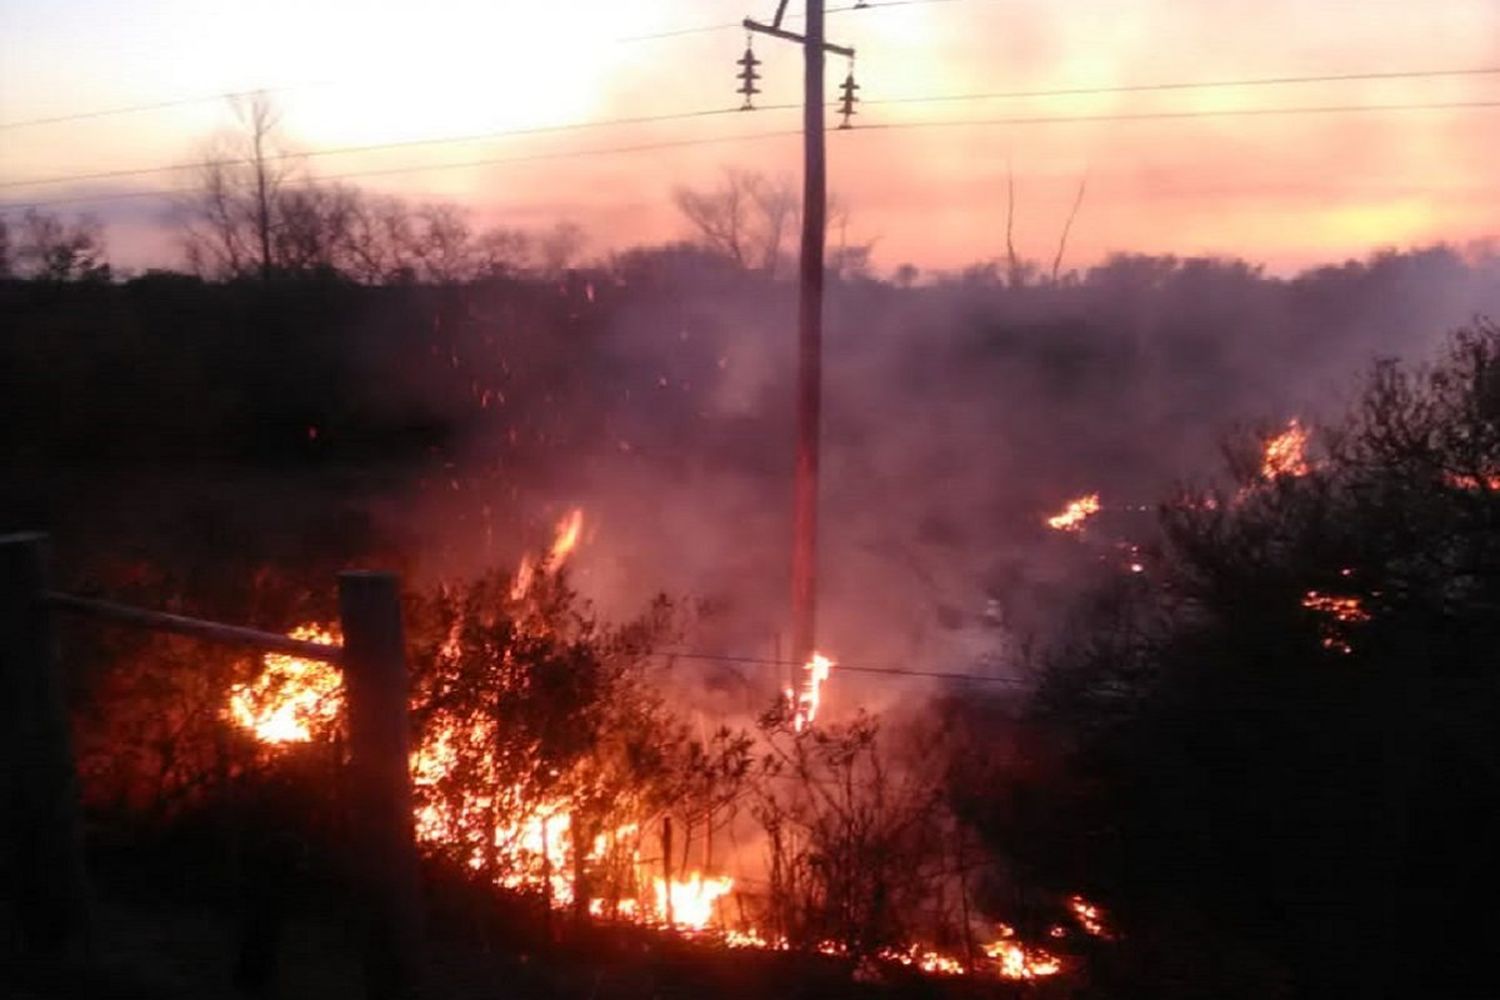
{"x": 1282, "y": 190}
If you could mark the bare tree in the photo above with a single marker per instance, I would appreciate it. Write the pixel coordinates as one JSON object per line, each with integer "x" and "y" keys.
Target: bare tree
{"x": 846, "y": 260}
{"x": 378, "y": 240}
{"x": 1015, "y": 275}
{"x": 313, "y": 224}
{"x": 51, "y": 250}
{"x": 231, "y": 225}
{"x": 1062, "y": 242}
{"x": 252, "y": 214}
{"x": 502, "y": 251}
{"x": 443, "y": 244}
{"x": 747, "y": 219}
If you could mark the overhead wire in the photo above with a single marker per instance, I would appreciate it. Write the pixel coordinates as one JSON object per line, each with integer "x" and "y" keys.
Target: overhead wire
{"x": 423, "y": 168}
{"x": 1141, "y": 88}
{"x": 842, "y": 667}
{"x": 1040, "y": 93}
{"x": 382, "y": 146}
{"x": 1319, "y": 109}
{"x": 711, "y": 140}
{"x": 162, "y": 105}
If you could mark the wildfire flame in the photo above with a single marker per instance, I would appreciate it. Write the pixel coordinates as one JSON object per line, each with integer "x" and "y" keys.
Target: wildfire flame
{"x": 1089, "y": 916}
{"x": 1474, "y": 483}
{"x": 931, "y": 962}
{"x": 1286, "y": 453}
{"x": 293, "y": 698}
{"x": 692, "y": 900}
{"x": 297, "y": 700}
{"x": 564, "y": 541}
{"x": 1343, "y": 610}
{"x": 1019, "y": 962}
{"x": 537, "y": 852}
{"x": 1075, "y": 513}
{"x": 806, "y": 701}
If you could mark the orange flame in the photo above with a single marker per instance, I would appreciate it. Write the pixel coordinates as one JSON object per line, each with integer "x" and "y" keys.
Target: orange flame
{"x": 693, "y": 899}
{"x": 298, "y": 700}
{"x": 1286, "y": 453}
{"x": 1089, "y": 916}
{"x": 1475, "y": 483}
{"x": 1018, "y": 962}
{"x": 1075, "y": 513}
{"x": 564, "y": 541}
{"x": 807, "y": 701}
{"x": 933, "y": 963}
{"x": 293, "y": 698}
{"x": 1343, "y": 610}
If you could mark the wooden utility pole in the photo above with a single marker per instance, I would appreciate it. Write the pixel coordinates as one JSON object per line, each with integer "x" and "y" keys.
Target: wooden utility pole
{"x": 375, "y": 682}
{"x": 39, "y": 812}
{"x": 809, "y": 322}
{"x": 809, "y": 343}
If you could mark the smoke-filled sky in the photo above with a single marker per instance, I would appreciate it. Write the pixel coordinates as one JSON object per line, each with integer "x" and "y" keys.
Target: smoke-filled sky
{"x": 1282, "y": 189}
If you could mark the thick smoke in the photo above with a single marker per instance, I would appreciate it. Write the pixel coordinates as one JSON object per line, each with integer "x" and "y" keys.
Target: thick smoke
{"x": 959, "y": 414}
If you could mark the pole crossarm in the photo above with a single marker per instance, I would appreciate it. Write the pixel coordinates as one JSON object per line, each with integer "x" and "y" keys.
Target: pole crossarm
{"x": 766, "y": 29}
{"x": 231, "y": 635}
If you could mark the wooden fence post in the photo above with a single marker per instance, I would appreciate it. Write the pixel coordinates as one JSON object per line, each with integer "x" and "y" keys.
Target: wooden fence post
{"x": 38, "y": 786}
{"x": 376, "y": 689}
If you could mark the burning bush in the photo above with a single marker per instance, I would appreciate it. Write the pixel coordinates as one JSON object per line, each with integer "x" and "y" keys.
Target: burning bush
{"x": 542, "y": 750}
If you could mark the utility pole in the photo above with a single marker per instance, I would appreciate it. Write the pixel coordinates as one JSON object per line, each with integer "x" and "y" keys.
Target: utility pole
{"x": 809, "y": 321}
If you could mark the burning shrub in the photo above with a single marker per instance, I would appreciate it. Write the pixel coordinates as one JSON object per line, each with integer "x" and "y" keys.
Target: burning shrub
{"x": 541, "y": 749}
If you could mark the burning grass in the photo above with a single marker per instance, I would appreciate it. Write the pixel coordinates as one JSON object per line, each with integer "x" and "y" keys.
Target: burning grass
{"x": 546, "y": 764}
{"x": 1339, "y": 612}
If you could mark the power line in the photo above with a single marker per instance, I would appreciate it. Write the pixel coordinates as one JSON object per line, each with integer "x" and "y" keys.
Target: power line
{"x": 379, "y": 146}
{"x": 888, "y": 126}
{"x": 1179, "y": 85}
{"x": 841, "y": 667}
{"x": 1322, "y": 109}
{"x": 177, "y": 102}
{"x": 1138, "y": 88}
{"x": 422, "y": 168}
